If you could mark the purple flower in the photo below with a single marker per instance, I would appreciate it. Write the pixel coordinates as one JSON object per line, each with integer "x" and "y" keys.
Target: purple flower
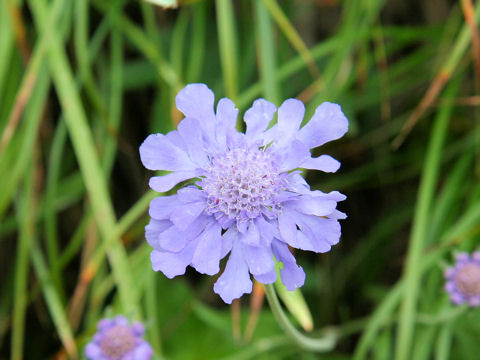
{"x": 463, "y": 280}
{"x": 116, "y": 339}
{"x": 248, "y": 199}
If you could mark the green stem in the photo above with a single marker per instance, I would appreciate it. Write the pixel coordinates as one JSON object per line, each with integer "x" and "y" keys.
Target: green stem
{"x": 324, "y": 344}
{"x": 420, "y": 227}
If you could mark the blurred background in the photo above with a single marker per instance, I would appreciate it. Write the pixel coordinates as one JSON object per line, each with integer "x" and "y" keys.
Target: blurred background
{"x": 83, "y": 82}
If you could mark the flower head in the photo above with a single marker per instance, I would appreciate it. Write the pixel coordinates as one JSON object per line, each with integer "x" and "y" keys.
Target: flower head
{"x": 463, "y": 280}
{"x": 116, "y": 339}
{"x": 249, "y": 199}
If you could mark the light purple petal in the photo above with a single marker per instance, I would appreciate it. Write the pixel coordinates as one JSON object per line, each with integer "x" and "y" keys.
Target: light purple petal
{"x": 171, "y": 264}
{"x": 474, "y": 301}
{"x": 267, "y": 230}
{"x": 338, "y": 215}
{"x": 457, "y": 298}
{"x": 258, "y": 117}
{"x": 162, "y": 206}
{"x": 324, "y": 163}
{"x": 104, "y": 324}
{"x": 449, "y": 273}
{"x": 228, "y": 238}
{"x": 121, "y": 320}
{"x": 190, "y": 194}
{"x": 323, "y": 233}
{"x": 252, "y": 235}
{"x": 190, "y": 131}
{"x": 175, "y": 138}
{"x": 93, "y": 351}
{"x": 235, "y": 279}
{"x": 143, "y": 352}
{"x": 174, "y": 239}
{"x": 327, "y": 124}
{"x": 462, "y": 257}
{"x": 290, "y": 116}
{"x": 154, "y": 229}
{"x": 206, "y": 257}
{"x": 157, "y": 152}
{"x": 226, "y": 121}
{"x": 167, "y": 182}
{"x": 259, "y": 259}
{"x": 311, "y": 205}
{"x": 294, "y": 156}
{"x": 450, "y": 287}
{"x": 332, "y": 195}
{"x": 292, "y": 275}
{"x": 171, "y": 240}
{"x": 267, "y": 278}
{"x": 287, "y": 226}
{"x": 196, "y": 101}
{"x": 184, "y": 215}
{"x": 138, "y": 328}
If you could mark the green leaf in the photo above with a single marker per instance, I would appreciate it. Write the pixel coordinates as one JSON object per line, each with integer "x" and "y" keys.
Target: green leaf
{"x": 295, "y": 303}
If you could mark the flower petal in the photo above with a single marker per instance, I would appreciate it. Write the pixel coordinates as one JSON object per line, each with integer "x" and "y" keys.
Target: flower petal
{"x": 320, "y": 232}
{"x": 267, "y": 278}
{"x": 190, "y": 131}
{"x": 157, "y": 152}
{"x": 312, "y": 205}
{"x": 258, "y": 117}
{"x": 172, "y": 264}
{"x": 196, "y": 101}
{"x": 143, "y": 351}
{"x": 327, "y": 124}
{"x": 184, "y": 215}
{"x": 259, "y": 259}
{"x": 226, "y": 120}
{"x": 287, "y": 226}
{"x": 93, "y": 351}
{"x": 290, "y": 116}
{"x": 292, "y": 275}
{"x": 154, "y": 229}
{"x": 174, "y": 240}
{"x": 162, "y": 206}
{"x": 235, "y": 279}
{"x": 324, "y": 163}
{"x": 190, "y": 194}
{"x": 228, "y": 238}
{"x": 294, "y": 156}
{"x": 252, "y": 235}
{"x": 167, "y": 182}
{"x": 206, "y": 258}
{"x": 266, "y": 229}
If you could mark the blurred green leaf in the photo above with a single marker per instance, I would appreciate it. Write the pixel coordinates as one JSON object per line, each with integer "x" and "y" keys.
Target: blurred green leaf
{"x": 295, "y": 303}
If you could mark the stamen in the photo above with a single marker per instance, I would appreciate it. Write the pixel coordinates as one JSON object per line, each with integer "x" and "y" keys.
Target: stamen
{"x": 242, "y": 184}
{"x": 117, "y": 341}
{"x": 467, "y": 280}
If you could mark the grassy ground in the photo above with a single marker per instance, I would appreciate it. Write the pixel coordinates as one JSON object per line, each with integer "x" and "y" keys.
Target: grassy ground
{"x": 83, "y": 82}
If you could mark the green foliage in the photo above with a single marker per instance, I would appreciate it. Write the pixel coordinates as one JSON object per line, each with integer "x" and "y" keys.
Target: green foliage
{"x": 82, "y": 83}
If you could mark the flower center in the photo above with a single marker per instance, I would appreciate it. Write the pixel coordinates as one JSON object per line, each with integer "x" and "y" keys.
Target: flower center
{"x": 117, "y": 341}
{"x": 467, "y": 280}
{"x": 242, "y": 184}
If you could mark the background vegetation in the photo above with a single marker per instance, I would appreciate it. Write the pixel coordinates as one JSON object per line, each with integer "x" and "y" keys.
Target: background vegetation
{"x": 83, "y": 82}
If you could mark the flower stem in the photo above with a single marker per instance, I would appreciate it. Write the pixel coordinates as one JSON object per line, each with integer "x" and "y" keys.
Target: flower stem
{"x": 323, "y": 344}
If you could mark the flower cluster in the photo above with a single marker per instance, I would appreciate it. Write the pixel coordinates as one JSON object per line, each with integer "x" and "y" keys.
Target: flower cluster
{"x": 116, "y": 339}
{"x": 463, "y": 280}
{"x": 249, "y": 199}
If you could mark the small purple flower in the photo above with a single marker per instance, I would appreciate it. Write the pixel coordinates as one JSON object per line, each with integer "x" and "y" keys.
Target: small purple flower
{"x": 116, "y": 339}
{"x": 463, "y": 280}
{"x": 248, "y": 199}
